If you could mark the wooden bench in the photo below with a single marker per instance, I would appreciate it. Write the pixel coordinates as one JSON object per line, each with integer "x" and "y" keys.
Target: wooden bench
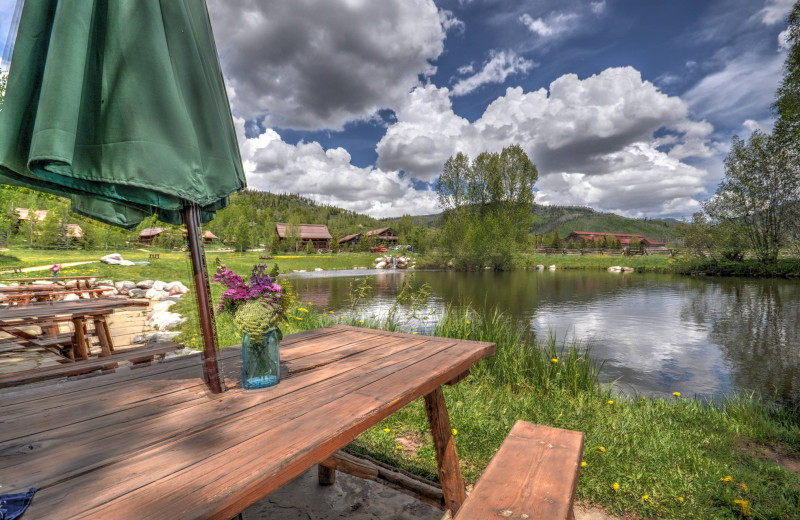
{"x": 155, "y": 256}
{"x": 134, "y": 356}
{"x": 12, "y": 268}
{"x": 533, "y": 475}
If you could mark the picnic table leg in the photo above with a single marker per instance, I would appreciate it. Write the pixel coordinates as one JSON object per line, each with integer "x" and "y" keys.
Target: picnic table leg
{"x": 103, "y": 336}
{"x": 446, "y": 457}
{"x": 79, "y": 339}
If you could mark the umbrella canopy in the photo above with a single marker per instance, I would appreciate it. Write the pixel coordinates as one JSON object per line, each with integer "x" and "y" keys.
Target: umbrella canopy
{"x": 122, "y": 107}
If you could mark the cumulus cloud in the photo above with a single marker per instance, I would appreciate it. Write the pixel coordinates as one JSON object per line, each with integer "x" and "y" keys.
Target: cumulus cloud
{"x": 598, "y": 7}
{"x": 550, "y": 26}
{"x": 501, "y": 65}
{"x": 783, "y": 40}
{"x": 592, "y": 139}
{"x": 313, "y": 65}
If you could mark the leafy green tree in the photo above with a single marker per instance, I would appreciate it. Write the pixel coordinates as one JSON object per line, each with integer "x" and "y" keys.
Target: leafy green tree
{"x": 488, "y": 204}
{"x": 558, "y": 242}
{"x": 760, "y": 193}
{"x": 405, "y": 225}
{"x": 787, "y": 104}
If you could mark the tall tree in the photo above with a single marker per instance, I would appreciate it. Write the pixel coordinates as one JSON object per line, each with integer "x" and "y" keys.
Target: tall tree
{"x": 787, "y": 104}
{"x": 760, "y": 192}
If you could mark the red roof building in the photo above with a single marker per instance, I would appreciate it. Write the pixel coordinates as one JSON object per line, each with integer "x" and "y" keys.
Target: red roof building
{"x": 384, "y": 235}
{"x": 317, "y": 234}
{"x": 624, "y": 238}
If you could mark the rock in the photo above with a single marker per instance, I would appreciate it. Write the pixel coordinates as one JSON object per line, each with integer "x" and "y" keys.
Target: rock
{"x": 155, "y": 337}
{"x": 176, "y": 288}
{"x": 125, "y": 285}
{"x": 112, "y": 259}
{"x": 380, "y": 265}
{"x": 488, "y": 268}
{"x": 72, "y": 284}
{"x": 158, "y": 285}
{"x": 42, "y": 282}
{"x": 135, "y": 263}
{"x": 145, "y": 284}
{"x": 155, "y": 295}
{"x": 108, "y": 290}
{"x": 614, "y": 269}
{"x": 165, "y": 320}
{"x": 103, "y": 282}
{"x": 162, "y": 306}
{"x": 137, "y": 293}
{"x": 627, "y": 269}
{"x": 552, "y": 268}
{"x": 540, "y": 267}
{"x": 176, "y": 291}
{"x": 71, "y": 297}
{"x": 318, "y": 269}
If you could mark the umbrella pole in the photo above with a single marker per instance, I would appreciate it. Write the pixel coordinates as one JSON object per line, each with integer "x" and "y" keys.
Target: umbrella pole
{"x": 191, "y": 218}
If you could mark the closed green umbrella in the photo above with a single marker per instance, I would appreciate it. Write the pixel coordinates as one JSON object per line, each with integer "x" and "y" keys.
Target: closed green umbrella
{"x": 121, "y": 106}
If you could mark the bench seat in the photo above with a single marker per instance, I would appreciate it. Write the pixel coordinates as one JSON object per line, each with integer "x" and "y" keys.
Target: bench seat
{"x": 532, "y": 476}
{"x": 135, "y": 355}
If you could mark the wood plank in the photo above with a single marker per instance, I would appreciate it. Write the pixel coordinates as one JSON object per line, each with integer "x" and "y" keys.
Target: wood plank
{"x": 533, "y": 475}
{"x": 146, "y": 422}
{"x": 446, "y": 458}
{"x": 244, "y": 438}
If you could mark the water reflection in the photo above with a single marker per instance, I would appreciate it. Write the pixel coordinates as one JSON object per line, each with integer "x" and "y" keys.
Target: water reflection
{"x": 656, "y": 333}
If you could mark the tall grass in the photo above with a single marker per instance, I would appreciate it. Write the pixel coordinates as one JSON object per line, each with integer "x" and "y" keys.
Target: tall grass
{"x": 521, "y": 361}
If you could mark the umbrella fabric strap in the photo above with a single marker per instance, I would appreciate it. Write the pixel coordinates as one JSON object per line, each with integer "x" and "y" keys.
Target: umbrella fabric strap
{"x": 12, "y": 506}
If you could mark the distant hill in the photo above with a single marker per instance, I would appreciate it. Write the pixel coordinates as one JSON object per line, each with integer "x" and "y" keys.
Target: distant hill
{"x": 581, "y": 218}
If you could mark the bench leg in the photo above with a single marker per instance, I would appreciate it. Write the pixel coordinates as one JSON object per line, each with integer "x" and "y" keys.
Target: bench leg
{"x": 101, "y": 329}
{"x": 79, "y": 341}
{"x": 446, "y": 457}
{"x": 326, "y": 475}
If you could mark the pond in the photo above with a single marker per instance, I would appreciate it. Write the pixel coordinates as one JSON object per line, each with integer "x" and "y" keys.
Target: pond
{"x": 657, "y": 334}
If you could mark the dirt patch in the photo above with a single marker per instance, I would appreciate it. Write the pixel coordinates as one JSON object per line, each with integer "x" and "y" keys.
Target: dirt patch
{"x": 780, "y": 455}
{"x": 409, "y": 443}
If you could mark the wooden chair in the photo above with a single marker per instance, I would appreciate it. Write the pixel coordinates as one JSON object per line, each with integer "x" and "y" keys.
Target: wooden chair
{"x": 533, "y": 475}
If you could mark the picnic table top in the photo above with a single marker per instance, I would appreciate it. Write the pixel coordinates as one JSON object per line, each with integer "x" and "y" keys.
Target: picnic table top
{"x": 32, "y": 288}
{"x": 35, "y": 311}
{"x": 153, "y": 443}
{"x": 46, "y": 278}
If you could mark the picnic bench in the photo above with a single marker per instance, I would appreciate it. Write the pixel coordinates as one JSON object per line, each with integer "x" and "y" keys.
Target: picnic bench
{"x": 133, "y": 356}
{"x": 14, "y": 320}
{"x": 11, "y": 268}
{"x": 533, "y": 475}
{"x": 154, "y": 443}
{"x": 81, "y": 280}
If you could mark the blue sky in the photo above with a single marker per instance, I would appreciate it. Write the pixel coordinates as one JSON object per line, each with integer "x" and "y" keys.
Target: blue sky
{"x": 626, "y": 106}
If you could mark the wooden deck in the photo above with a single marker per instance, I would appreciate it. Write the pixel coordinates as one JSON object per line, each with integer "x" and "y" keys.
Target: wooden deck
{"x": 152, "y": 443}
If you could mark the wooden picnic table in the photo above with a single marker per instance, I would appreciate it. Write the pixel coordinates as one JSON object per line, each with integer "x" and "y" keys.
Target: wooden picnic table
{"x": 154, "y": 443}
{"x": 78, "y": 312}
{"x": 29, "y": 281}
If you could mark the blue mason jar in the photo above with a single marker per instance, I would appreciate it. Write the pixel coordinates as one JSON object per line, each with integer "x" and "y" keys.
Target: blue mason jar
{"x": 261, "y": 364}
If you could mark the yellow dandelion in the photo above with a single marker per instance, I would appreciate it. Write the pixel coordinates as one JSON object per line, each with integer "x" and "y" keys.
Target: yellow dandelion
{"x": 676, "y": 394}
{"x": 645, "y": 497}
{"x": 644, "y": 398}
{"x": 310, "y": 304}
{"x": 615, "y": 486}
{"x": 602, "y": 449}
{"x": 469, "y": 322}
{"x": 330, "y": 312}
{"x": 415, "y": 332}
{"x": 610, "y": 402}
{"x": 298, "y": 318}
{"x": 727, "y": 479}
{"x": 455, "y": 432}
{"x": 583, "y": 464}
{"x": 387, "y": 430}
{"x": 554, "y": 360}
{"x": 680, "y": 499}
{"x": 301, "y": 309}
{"x": 744, "y": 487}
{"x": 398, "y": 447}
{"x": 361, "y": 321}
{"x": 745, "y": 505}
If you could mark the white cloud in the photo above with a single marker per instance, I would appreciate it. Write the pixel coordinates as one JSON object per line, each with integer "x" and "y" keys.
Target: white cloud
{"x": 551, "y": 26}
{"x": 450, "y": 22}
{"x": 783, "y": 40}
{"x": 469, "y": 68}
{"x": 312, "y": 65}
{"x": 592, "y": 140}
{"x": 744, "y": 87}
{"x": 598, "y": 7}
{"x": 501, "y": 65}
{"x": 775, "y": 11}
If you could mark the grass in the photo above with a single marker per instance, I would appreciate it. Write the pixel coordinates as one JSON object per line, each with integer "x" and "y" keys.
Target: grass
{"x": 649, "y": 263}
{"x": 677, "y": 452}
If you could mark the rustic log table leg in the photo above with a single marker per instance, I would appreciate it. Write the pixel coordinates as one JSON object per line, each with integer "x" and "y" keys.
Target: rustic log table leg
{"x": 101, "y": 329}
{"x": 79, "y": 339}
{"x": 326, "y": 475}
{"x": 446, "y": 457}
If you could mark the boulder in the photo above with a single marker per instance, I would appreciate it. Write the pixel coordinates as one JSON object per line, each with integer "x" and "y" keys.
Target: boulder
{"x": 176, "y": 288}
{"x": 318, "y": 269}
{"x": 614, "y": 269}
{"x": 72, "y": 284}
{"x": 380, "y": 265}
{"x": 71, "y": 297}
{"x": 165, "y": 320}
{"x": 42, "y": 282}
{"x": 540, "y": 267}
{"x": 552, "y": 267}
{"x": 135, "y": 263}
{"x": 112, "y": 259}
{"x": 108, "y": 290}
{"x": 175, "y": 291}
{"x": 158, "y": 285}
{"x": 137, "y": 293}
{"x": 125, "y": 285}
{"x": 155, "y": 337}
{"x": 627, "y": 269}
{"x": 103, "y": 282}
{"x": 162, "y": 306}
{"x": 155, "y": 295}
{"x": 145, "y": 284}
